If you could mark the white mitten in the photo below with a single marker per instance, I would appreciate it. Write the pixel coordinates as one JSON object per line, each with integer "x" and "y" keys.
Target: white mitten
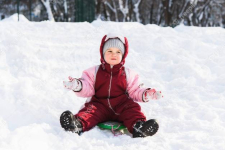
{"x": 73, "y": 84}
{"x": 152, "y": 94}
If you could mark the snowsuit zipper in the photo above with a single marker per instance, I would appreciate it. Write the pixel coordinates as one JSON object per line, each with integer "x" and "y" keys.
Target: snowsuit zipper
{"x": 110, "y": 82}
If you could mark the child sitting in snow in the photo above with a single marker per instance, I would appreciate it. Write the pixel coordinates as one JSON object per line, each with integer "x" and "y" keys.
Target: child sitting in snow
{"x": 114, "y": 92}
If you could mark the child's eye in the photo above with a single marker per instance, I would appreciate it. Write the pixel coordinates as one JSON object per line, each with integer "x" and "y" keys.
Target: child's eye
{"x": 118, "y": 52}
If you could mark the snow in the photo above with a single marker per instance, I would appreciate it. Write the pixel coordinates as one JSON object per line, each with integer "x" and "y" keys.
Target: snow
{"x": 14, "y": 18}
{"x": 186, "y": 63}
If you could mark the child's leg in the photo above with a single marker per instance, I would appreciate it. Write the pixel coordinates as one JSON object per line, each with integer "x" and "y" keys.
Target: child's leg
{"x": 92, "y": 114}
{"x": 130, "y": 114}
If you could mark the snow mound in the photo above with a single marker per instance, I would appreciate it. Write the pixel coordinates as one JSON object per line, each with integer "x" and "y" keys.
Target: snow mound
{"x": 14, "y": 18}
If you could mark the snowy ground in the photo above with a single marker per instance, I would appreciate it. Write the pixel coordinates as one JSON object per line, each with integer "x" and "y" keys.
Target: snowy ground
{"x": 186, "y": 63}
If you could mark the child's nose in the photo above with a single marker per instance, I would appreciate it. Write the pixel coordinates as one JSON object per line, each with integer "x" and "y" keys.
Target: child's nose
{"x": 113, "y": 54}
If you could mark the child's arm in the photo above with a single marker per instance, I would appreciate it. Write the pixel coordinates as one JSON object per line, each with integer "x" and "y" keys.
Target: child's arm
{"x": 86, "y": 83}
{"x": 136, "y": 92}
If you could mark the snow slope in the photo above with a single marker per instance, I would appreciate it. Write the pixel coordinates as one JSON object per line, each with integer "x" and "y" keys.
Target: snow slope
{"x": 186, "y": 63}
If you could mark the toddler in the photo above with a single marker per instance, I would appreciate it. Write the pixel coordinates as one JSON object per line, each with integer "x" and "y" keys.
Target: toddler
{"x": 113, "y": 92}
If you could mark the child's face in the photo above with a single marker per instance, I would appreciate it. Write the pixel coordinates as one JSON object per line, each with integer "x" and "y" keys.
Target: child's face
{"x": 113, "y": 56}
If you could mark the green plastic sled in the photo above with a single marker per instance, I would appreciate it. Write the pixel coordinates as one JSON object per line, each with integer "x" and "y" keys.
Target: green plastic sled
{"x": 111, "y": 125}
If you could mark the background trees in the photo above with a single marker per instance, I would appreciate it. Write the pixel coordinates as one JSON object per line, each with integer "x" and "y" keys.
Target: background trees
{"x": 161, "y": 12}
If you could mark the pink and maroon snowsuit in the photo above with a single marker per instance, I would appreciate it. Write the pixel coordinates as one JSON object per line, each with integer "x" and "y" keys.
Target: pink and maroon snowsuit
{"x": 113, "y": 92}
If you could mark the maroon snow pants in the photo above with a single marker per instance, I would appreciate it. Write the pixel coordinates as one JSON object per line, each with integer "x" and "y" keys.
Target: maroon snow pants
{"x": 96, "y": 111}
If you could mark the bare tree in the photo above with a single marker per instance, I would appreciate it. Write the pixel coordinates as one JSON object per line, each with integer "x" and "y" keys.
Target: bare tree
{"x": 123, "y": 6}
{"x": 46, "y": 3}
{"x": 98, "y": 9}
{"x": 136, "y": 10}
{"x": 167, "y": 11}
{"x": 113, "y": 8}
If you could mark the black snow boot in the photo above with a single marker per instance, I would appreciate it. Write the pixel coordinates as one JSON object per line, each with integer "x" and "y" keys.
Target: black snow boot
{"x": 145, "y": 128}
{"x": 70, "y": 123}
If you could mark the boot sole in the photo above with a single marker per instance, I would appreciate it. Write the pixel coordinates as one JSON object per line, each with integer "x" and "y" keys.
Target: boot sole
{"x": 66, "y": 120}
{"x": 150, "y": 127}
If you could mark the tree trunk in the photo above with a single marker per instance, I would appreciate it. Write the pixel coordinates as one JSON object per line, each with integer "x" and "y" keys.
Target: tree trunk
{"x": 136, "y": 10}
{"x": 46, "y": 3}
{"x": 115, "y": 10}
{"x": 151, "y": 13}
{"x": 107, "y": 16}
{"x": 98, "y": 9}
{"x": 66, "y": 11}
{"x": 131, "y": 8}
{"x": 167, "y": 14}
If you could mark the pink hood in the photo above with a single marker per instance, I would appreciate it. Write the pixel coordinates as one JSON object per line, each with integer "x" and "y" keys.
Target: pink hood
{"x": 125, "y": 53}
